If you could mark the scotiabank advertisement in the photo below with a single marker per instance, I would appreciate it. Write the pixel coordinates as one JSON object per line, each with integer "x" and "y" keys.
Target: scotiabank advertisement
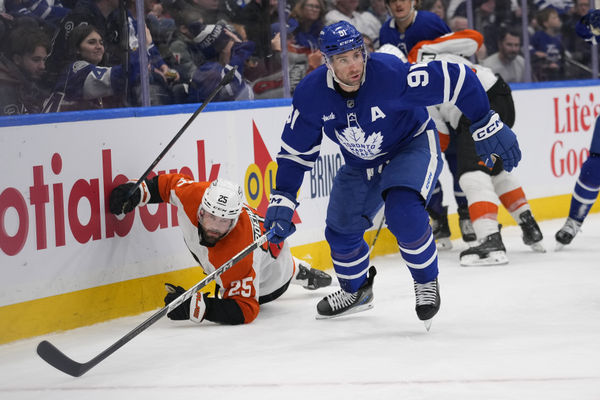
{"x": 56, "y": 233}
{"x": 57, "y": 236}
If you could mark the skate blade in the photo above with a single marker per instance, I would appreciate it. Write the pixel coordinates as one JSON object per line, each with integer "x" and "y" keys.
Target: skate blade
{"x": 443, "y": 244}
{"x": 494, "y": 258}
{"x": 427, "y": 323}
{"x": 354, "y": 310}
{"x": 559, "y": 246}
{"x": 538, "y": 247}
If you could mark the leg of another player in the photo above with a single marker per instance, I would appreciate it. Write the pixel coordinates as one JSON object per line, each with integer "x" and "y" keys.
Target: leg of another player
{"x": 483, "y": 209}
{"x": 409, "y": 222}
{"x": 585, "y": 192}
{"x": 513, "y": 198}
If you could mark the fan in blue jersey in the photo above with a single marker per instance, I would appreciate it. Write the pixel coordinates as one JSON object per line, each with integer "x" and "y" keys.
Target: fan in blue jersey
{"x": 374, "y": 109}
{"x": 588, "y": 182}
{"x": 407, "y": 26}
{"x": 85, "y": 84}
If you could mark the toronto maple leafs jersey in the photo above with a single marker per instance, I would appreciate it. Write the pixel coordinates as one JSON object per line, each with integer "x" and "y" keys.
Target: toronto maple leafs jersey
{"x": 379, "y": 120}
{"x": 426, "y": 26}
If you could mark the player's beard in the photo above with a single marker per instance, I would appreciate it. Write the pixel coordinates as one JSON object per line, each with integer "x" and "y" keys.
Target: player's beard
{"x": 209, "y": 240}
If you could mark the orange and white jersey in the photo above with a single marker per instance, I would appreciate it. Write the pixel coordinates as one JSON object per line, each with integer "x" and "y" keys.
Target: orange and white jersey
{"x": 258, "y": 274}
{"x": 454, "y": 47}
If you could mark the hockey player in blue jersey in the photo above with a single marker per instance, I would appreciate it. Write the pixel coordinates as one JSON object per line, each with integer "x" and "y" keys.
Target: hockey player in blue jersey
{"x": 407, "y": 26}
{"x": 374, "y": 109}
{"x": 588, "y": 182}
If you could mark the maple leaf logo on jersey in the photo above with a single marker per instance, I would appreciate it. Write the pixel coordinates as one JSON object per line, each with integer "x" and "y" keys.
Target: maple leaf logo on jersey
{"x": 353, "y": 139}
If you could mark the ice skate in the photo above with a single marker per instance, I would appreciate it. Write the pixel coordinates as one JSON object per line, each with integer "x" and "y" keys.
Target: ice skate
{"x": 532, "y": 235}
{"x": 566, "y": 234}
{"x": 343, "y": 303}
{"x": 311, "y": 278}
{"x": 441, "y": 229}
{"x": 466, "y": 226}
{"x": 428, "y": 301}
{"x": 490, "y": 251}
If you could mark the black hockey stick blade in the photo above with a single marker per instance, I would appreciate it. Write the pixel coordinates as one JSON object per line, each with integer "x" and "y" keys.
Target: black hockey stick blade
{"x": 53, "y": 356}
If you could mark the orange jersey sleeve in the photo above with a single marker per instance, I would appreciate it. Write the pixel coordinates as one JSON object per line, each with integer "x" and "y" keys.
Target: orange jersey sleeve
{"x": 464, "y": 43}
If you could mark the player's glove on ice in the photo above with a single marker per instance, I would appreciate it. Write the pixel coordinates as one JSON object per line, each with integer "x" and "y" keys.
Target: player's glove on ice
{"x": 118, "y": 203}
{"x": 279, "y": 215}
{"x": 494, "y": 139}
{"x": 193, "y": 308}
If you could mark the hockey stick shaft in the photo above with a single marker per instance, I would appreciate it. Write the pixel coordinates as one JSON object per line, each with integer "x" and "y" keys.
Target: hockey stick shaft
{"x": 53, "y": 356}
{"x": 224, "y": 82}
{"x": 377, "y": 234}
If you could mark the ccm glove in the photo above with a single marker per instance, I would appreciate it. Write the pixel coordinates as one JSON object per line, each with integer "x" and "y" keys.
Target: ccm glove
{"x": 494, "y": 139}
{"x": 193, "y": 308}
{"x": 279, "y": 215}
{"x": 119, "y": 203}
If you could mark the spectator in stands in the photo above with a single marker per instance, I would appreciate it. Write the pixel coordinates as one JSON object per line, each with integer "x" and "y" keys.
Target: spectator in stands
{"x": 86, "y": 83}
{"x": 47, "y": 12}
{"x": 507, "y": 61}
{"x": 160, "y": 74}
{"x": 21, "y": 70}
{"x": 93, "y": 12}
{"x": 365, "y": 22}
{"x": 257, "y": 17}
{"x": 578, "y": 52}
{"x": 379, "y": 10}
{"x": 220, "y": 50}
{"x": 406, "y": 27}
{"x": 435, "y": 6}
{"x": 547, "y": 49}
{"x": 310, "y": 17}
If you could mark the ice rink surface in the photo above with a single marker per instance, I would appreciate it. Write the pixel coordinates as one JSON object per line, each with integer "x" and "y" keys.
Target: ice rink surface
{"x": 526, "y": 330}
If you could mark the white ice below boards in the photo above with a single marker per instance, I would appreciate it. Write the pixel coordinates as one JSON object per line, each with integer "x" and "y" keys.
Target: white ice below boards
{"x": 526, "y": 330}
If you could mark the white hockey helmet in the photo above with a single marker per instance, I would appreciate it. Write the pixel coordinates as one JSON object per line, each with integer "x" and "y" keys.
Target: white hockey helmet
{"x": 223, "y": 199}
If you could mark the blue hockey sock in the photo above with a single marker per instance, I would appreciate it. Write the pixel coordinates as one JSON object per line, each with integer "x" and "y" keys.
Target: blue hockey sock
{"x": 350, "y": 255}
{"x": 586, "y": 189}
{"x": 408, "y": 221}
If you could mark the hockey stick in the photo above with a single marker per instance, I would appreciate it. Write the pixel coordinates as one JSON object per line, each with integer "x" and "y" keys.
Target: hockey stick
{"x": 59, "y": 360}
{"x": 224, "y": 82}
{"x": 377, "y": 234}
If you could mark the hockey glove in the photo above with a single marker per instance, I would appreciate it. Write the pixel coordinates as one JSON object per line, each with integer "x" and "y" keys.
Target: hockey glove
{"x": 119, "y": 203}
{"x": 279, "y": 215}
{"x": 494, "y": 139}
{"x": 182, "y": 311}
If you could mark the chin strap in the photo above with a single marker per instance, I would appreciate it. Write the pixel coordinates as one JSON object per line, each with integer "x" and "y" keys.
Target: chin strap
{"x": 342, "y": 84}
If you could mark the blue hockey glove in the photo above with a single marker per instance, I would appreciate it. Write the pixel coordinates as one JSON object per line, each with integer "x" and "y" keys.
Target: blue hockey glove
{"x": 493, "y": 139}
{"x": 279, "y": 215}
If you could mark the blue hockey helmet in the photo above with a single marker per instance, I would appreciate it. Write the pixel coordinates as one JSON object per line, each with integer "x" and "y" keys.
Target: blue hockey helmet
{"x": 338, "y": 38}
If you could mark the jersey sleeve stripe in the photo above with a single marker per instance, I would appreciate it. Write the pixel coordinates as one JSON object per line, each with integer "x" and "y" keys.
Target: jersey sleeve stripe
{"x": 446, "y": 81}
{"x": 297, "y": 160}
{"x": 295, "y": 152}
{"x": 459, "y": 83}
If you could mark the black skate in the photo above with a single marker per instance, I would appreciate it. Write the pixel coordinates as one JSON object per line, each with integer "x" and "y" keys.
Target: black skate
{"x": 566, "y": 234}
{"x": 441, "y": 229}
{"x": 343, "y": 303}
{"x": 428, "y": 301}
{"x": 311, "y": 278}
{"x": 532, "y": 235}
{"x": 490, "y": 251}
{"x": 466, "y": 226}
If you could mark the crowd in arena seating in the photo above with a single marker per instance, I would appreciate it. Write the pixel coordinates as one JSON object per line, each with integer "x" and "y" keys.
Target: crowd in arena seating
{"x": 67, "y": 55}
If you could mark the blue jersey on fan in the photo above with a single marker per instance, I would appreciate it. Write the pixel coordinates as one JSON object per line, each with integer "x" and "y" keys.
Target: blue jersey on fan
{"x": 379, "y": 120}
{"x": 426, "y": 26}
